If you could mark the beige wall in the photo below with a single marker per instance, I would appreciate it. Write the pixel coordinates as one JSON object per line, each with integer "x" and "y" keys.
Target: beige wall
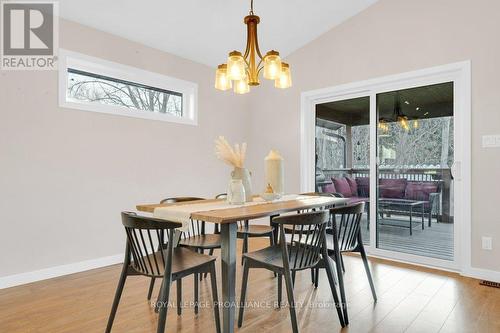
{"x": 66, "y": 174}
{"x": 395, "y": 36}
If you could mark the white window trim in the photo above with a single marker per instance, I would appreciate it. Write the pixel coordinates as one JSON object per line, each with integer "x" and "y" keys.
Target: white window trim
{"x": 189, "y": 90}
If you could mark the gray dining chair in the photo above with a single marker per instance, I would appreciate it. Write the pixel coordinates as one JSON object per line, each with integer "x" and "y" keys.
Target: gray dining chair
{"x": 196, "y": 239}
{"x": 305, "y": 249}
{"x": 150, "y": 252}
{"x": 344, "y": 235}
{"x": 246, "y": 230}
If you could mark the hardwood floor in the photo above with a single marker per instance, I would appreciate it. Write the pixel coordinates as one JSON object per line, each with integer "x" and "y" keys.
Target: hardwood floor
{"x": 411, "y": 299}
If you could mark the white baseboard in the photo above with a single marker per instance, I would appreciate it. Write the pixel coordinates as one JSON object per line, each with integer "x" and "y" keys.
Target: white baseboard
{"x": 48, "y": 273}
{"x": 482, "y": 274}
{"x": 52, "y": 272}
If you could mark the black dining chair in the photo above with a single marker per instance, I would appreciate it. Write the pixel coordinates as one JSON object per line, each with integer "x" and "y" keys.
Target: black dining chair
{"x": 246, "y": 230}
{"x": 305, "y": 249}
{"x": 150, "y": 251}
{"x": 344, "y": 235}
{"x": 195, "y": 238}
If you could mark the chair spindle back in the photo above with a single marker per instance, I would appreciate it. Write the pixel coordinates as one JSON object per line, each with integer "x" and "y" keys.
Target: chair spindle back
{"x": 347, "y": 221}
{"x": 144, "y": 236}
{"x": 307, "y": 240}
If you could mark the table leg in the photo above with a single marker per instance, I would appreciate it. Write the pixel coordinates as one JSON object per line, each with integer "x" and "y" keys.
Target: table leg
{"x": 228, "y": 256}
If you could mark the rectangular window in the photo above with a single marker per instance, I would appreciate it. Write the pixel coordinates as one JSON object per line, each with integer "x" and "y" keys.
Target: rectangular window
{"x": 97, "y": 85}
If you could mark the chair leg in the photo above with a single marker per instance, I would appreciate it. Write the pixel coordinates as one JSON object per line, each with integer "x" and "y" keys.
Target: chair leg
{"x": 271, "y": 242}
{"x": 210, "y": 253}
{"x": 368, "y": 273}
{"x": 215, "y": 297}
{"x": 244, "y": 285}
{"x": 275, "y": 229}
{"x": 291, "y": 301}
{"x": 151, "y": 287}
{"x": 179, "y": 297}
{"x": 245, "y": 246}
{"x": 158, "y": 299}
{"x": 280, "y": 288}
{"x": 202, "y": 251}
{"x": 313, "y": 279}
{"x": 316, "y": 281}
{"x": 164, "y": 297}
{"x": 293, "y": 278}
{"x": 118, "y": 295}
{"x": 342, "y": 263}
{"x": 338, "y": 265}
{"x": 331, "y": 281}
{"x": 196, "y": 292}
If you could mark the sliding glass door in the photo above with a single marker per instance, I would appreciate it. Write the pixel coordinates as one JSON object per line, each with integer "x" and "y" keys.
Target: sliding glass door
{"x": 394, "y": 150}
{"x": 343, "y": 152}
{"x": 414, "y": 183}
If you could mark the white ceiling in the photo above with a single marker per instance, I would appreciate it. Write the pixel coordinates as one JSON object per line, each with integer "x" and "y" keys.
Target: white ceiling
{"x": 206, "y": 30}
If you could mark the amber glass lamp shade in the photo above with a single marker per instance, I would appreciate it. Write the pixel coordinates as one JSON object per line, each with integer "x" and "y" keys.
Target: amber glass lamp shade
{"x": 272, "y": 65}
{"x": 236, "y": 69}
{"x": 222, "y": 82}
{"x": 241, "y": 86}
{"x": 285, "y": 78}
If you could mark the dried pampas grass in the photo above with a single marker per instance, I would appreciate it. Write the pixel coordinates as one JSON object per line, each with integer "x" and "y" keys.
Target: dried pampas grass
{"x": 232, "y": 156}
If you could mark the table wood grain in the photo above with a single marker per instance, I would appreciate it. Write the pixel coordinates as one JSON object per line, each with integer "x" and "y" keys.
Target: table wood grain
{"x": 231, "y": 215}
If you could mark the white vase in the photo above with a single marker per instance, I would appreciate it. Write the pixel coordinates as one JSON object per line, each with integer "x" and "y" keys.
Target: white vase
{"x": 245, "y": 176}
{"x": 275, "y": 173}
{"x": 236, "y": 192}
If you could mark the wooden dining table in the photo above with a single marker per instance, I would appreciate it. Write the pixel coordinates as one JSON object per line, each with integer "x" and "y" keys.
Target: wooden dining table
{"x": 228, "y": 218}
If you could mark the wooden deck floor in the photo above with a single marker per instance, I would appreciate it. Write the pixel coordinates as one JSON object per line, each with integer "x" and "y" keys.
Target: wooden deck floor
{"x": 434, "y": 242}
{"x": 411, "y": 299}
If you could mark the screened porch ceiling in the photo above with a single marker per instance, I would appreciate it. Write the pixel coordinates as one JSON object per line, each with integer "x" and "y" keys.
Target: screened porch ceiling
{"x": 416, "y": 103}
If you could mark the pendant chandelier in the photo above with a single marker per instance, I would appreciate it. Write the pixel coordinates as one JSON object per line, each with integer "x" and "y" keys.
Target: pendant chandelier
{"x": 242, "y": 70}
{"x": 399, "y": 117}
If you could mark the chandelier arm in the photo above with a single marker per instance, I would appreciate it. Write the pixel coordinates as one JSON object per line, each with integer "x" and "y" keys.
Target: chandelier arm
{"x": 246, "y": 62}
{"x": 260, "y": 63}
{"x": 247, "y": 48}
{"x": 257, "y": 50}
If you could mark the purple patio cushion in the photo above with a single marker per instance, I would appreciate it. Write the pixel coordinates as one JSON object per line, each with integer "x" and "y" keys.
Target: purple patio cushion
{"x": 329, "y": 188}
{"x": 363, "y": 186}
{"x": 353, "y": 185}
{"x": 342, "y": 186}
{"x": 392, "y": 188}
{"x": 420, "y": 190}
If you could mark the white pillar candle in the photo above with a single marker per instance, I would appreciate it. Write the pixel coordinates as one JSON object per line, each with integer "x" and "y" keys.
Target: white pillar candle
{"x": 274, "y": 167}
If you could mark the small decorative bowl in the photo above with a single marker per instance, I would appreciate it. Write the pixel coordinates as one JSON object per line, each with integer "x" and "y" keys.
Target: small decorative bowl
{"x": 270, "y": 196}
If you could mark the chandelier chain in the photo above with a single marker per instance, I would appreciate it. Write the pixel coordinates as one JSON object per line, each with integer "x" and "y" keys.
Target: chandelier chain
{"x": 251, "y": 7}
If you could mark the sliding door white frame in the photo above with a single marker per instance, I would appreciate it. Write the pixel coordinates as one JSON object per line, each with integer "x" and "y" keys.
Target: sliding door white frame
{"x": 459, "y": 74}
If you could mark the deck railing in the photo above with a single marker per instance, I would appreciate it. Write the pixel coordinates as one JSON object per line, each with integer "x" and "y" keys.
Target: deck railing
{"x": 442, "y": 176}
